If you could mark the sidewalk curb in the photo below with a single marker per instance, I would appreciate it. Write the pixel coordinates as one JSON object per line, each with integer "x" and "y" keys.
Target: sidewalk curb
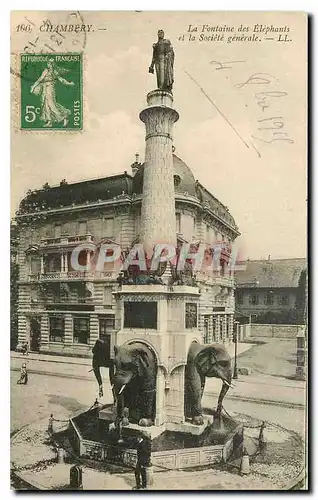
{"x": 62, "y": 361}
{"x": 61, "y": 375}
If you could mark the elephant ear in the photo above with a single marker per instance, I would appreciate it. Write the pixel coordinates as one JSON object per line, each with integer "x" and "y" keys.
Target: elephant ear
{"x": 210, "y": 358}
{"x": 141, "y": 361}
{"x": 206, "y": 361}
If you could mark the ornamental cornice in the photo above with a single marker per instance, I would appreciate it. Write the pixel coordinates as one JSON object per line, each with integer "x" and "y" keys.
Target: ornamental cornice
{"x": 117, "y": 200}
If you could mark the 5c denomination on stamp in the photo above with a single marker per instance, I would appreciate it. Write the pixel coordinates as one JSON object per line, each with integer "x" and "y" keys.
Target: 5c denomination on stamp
{"x": 51, "y": 91}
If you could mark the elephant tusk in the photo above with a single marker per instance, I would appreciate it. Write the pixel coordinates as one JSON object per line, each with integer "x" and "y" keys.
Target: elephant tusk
{"x": 226, "y": 383}
{"x": 121, "y": 390}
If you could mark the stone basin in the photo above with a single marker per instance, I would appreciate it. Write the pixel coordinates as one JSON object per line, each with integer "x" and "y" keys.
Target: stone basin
{"x": 174, "y": 446}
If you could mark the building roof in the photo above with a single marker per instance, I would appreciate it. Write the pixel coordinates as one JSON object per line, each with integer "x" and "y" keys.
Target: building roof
{"x": 184, "y": 178}
{"x": 106, "y": 188}
{"x": 276, "y": 273}
{"x": 77, "y": 193}
{"x": 185, "y": 183}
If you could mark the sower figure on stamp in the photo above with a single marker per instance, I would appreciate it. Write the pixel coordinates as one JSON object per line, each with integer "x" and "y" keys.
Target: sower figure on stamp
{"x": 51, "y": 110}
{"x": 143, "y": 461}
{"x": 163, "y": 60}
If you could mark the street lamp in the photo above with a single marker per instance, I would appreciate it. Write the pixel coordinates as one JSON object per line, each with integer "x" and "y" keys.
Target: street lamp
{"x": 235, "y": 340}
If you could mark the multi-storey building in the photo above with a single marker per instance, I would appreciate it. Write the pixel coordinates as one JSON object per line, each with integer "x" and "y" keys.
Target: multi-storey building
{"x": 272, "y": 290}
{"x": 63, "y": 310}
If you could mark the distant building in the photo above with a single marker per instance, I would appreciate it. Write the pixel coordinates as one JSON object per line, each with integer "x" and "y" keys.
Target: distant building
{"x": 272, "y": 291}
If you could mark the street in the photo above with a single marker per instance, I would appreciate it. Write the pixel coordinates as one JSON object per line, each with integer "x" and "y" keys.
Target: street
{"x": 46, "y": 394}
{"x": 65, "y": 386}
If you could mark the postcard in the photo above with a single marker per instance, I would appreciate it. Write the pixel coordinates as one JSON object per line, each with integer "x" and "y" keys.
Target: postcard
{"x": 159, "y": 287}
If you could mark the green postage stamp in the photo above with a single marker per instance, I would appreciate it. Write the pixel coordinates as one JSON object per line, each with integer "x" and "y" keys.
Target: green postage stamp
{"x": 51, "y": 91}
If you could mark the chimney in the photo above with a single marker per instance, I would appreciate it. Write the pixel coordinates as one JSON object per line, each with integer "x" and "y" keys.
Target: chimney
{"x": 269, "y": 257}
{"x": 136, "y": 165}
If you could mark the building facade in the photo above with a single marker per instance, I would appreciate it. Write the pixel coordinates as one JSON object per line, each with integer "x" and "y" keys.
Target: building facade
{"x": 272, "y": 290}
{"x": 63, "y": 310}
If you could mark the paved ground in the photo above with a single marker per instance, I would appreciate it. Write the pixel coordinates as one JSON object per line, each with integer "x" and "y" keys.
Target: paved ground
{"x": 276, "y": 357}
{"x": 63, "y": 397}
{"x": 65, "y": 386}
{"x": 29, "y": 447}
{"x": 262, "y": 384}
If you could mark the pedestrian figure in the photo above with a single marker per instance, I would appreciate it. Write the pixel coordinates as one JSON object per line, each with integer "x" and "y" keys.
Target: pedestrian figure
{"x": 261, "y": 439}
{"x": 50, "y": 426}
{"x": 143, "y": 462}
{"x": 25, "y": 348}
{"x": 23, "y": 375}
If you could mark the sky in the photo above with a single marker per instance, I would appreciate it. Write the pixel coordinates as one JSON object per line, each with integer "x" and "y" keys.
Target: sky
{"x": 229, "y": 113}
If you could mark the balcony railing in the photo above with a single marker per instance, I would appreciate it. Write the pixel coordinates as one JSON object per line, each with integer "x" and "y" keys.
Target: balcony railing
{"x": 72, "y": 275}
{"x": 68, "y": 300}
{"x": 67, "y": 240}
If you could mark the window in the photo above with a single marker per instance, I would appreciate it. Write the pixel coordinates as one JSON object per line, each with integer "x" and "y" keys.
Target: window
{"x": 137, "y": 224}
{"x": 82, "y": 228}
{"x": 191, "y": 315}
{"x": 254, "y": 299}
{"x": 240, "y": 298}
{"x": 108, "y": 296}
{"x": 106, "y": 326}
{"x": 176, "y": 180}
{"x": 208, "y": 233}
{"x": 178, "y": 223}
{"x": 56, "y": 329}
{"x": 108, "y": 228}
{"x": 52, "y": 264}
{"x": 81, "y": 330}
{"x": 284, "y": 300}
{"x": 35, "y": 265}
{"x": 269, "y": 298}
{"x": 57, "y": 230}
{"x": 140, "y": 315}
{"x": 81, "y": 293}
{"x": 34, "y": 295}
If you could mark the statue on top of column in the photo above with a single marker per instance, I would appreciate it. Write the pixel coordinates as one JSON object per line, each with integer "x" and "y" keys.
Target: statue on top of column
{"x": 163, "y": 60}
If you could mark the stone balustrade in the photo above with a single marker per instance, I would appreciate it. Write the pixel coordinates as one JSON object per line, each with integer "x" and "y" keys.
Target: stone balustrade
{"x": 72, "y": 275}
{"x": 67, "y": 240}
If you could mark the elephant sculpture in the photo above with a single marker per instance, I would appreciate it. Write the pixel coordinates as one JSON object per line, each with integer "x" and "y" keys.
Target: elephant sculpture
{"x": 205, "y": 361}
{"x": 133, "y": 375}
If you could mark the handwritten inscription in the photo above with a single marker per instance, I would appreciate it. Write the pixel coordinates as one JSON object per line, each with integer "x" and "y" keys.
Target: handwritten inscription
{"x": 270, "y": 127}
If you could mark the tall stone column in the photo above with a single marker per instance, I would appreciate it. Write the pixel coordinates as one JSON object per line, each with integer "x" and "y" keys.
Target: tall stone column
{"x": 231, "y": 322}
{"x": 94, "y": 329}
{"x": 158, "y": 203}
{"x": 224, "y": 333}
{"x": 68, "y": 329}
{"x": 45, "y": 331}
{"x": 217, "y": 333}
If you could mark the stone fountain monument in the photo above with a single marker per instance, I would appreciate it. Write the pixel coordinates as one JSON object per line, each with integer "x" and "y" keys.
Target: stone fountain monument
{"x": 160, "y": 362}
